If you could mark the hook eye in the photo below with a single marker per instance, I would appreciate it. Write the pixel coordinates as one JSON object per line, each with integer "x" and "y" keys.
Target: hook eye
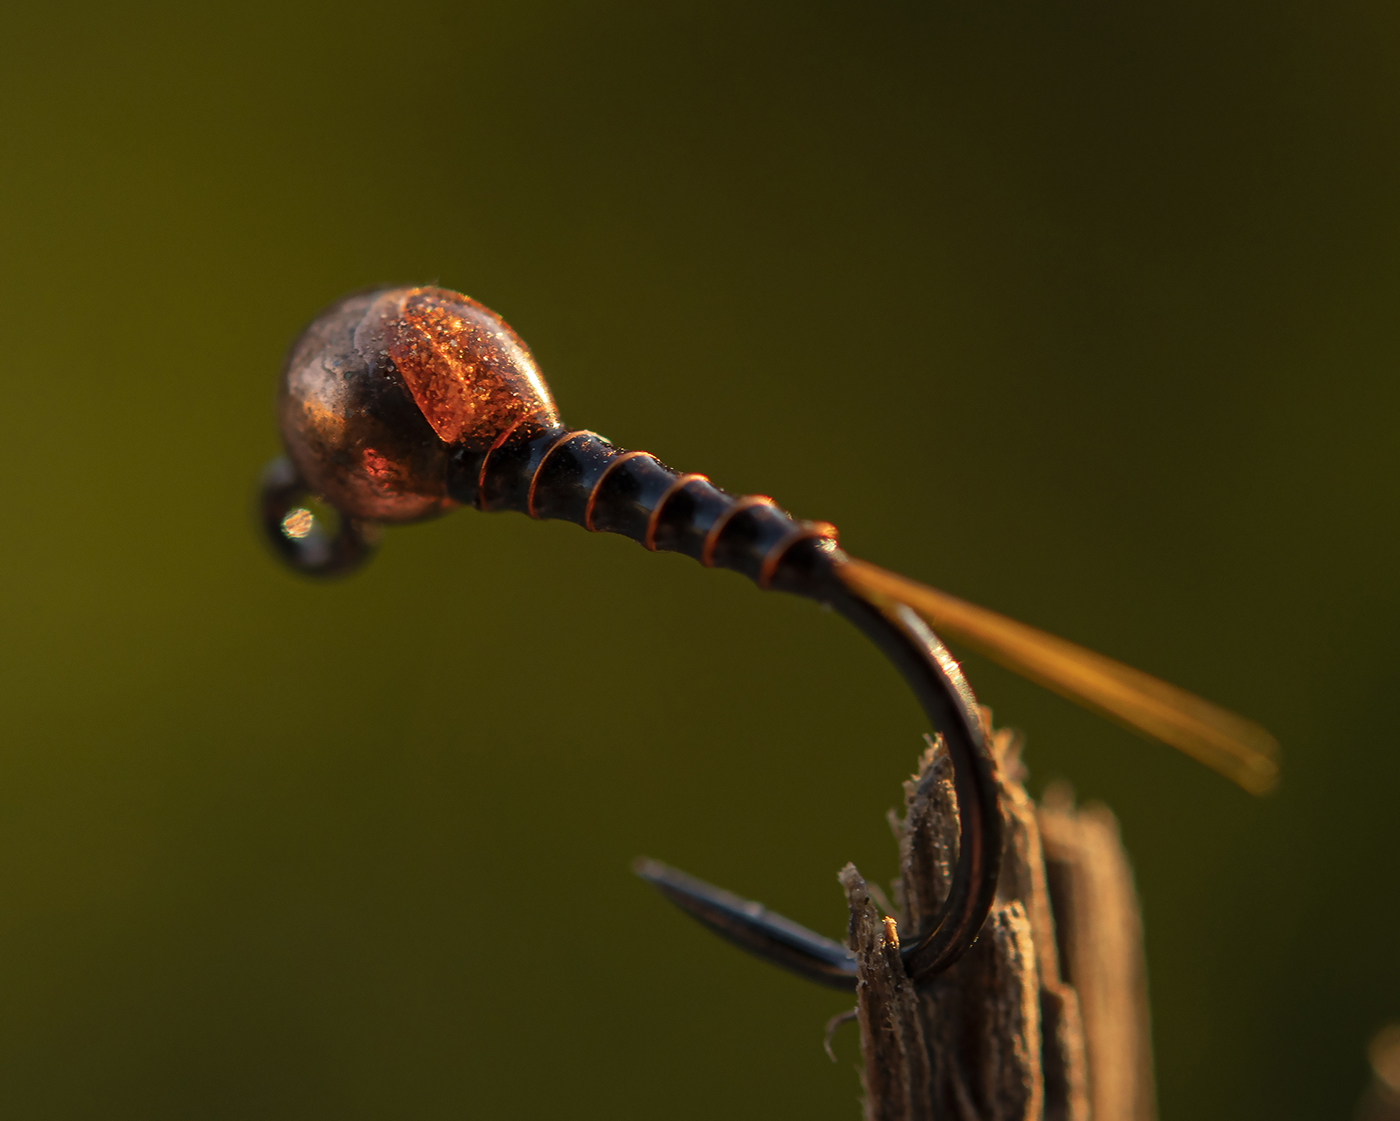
{"x": 309, "y": 535}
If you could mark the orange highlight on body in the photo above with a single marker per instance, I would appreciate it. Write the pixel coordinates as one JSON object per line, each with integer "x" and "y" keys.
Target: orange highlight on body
{"x": 469, "y": 374}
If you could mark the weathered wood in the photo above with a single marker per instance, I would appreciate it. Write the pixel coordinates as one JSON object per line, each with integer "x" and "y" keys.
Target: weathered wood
{"x": 1381, "y": 1101}
{"x": 1000, "y": 1036}
{"x": 1099, "y": 936}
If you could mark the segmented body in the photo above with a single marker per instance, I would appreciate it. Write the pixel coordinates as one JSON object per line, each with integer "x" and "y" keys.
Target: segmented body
{"x": 578, "y": 476}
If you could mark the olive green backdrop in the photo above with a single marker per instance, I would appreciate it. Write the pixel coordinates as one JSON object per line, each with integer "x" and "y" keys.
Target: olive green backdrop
{"x": 1089, "y": 316}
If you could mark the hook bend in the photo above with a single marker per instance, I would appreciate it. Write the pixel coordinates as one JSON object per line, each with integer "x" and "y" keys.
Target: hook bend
{"x": 947, "y": 701}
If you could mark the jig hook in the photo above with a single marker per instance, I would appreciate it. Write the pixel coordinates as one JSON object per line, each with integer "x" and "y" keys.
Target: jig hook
{"x": 403, "y": 403}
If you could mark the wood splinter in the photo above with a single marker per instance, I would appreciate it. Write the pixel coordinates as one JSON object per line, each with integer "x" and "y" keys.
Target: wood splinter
{"x": 1045, "y": 1018}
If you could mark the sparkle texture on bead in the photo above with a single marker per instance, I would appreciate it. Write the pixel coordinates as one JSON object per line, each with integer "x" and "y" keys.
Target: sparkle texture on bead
{"x": 470, "y": 374}
{"x": 383, "y": 387}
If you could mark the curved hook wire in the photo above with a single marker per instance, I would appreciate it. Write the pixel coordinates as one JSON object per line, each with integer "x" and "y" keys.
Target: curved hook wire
{"x": 938, "y": 682}
{"x": 947, "y": 701}
{"x": 302, "y": 538}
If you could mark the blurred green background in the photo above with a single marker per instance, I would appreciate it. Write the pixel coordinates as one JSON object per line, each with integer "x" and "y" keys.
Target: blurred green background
{"x": 1088, "y": 315}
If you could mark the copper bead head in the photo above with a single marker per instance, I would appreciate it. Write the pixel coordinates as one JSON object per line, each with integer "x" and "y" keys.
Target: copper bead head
{"x": 382, "y": 389}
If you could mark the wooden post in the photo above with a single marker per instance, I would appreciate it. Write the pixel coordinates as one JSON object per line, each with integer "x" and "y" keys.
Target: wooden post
{"x": 1045, "y": 1018}
{"x": 1381, "y": 1101}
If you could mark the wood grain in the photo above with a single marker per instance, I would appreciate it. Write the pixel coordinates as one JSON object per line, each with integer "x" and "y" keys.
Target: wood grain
{"x": 1045, "y": 1018}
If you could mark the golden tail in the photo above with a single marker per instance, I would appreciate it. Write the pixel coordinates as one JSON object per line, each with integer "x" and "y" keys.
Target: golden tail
{"x": 1238, "y": 748}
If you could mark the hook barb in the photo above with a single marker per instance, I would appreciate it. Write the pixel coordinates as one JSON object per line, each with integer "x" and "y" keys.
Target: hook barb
{"x": 753, "y": 927}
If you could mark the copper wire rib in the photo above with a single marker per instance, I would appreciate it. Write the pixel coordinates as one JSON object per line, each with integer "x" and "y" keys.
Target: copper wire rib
{"x": 499, "y": 440}
{"x": 616, "y": 461}
{"x": 1239, "y": 749}
{"x": 800, "y": 532}
{"x": 748, "y": 502}
{"x": 681, "y": 481}
{"x": 563, "y": 439}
